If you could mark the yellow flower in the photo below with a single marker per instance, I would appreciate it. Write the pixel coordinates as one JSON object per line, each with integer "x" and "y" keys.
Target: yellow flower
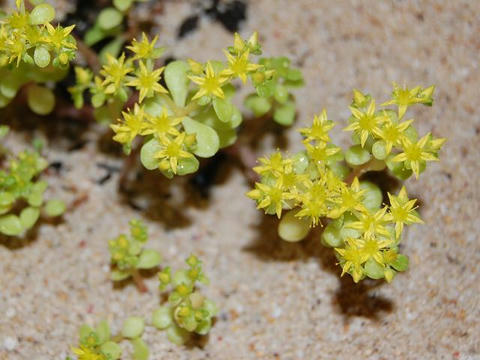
{"x": 321, "y": 152}
{"x": 270, "y": 198}
{"x": 132, "y": 125}
{"x": 371, "y": 247}
{"x": 84, "y": 353}
{"x": 240, "y": 45}
{"x": 239, "y": 66}
{"x": 314, "y": 201}
{"x": 371, "y": 223}
{"x": 210, "y": 84}
{"x": 404, "y": 97}
{"x": 147, "y": 80}
{"x": 144, "y": 49}
{"x": 349, "y": 199}
{"x": 352, "y": 259}
{"x": 319, "y": 130}
{"x": 59, "y": 37}
{"x": 115, "y": 72}
{"x": 392, "y": 134}
{"x": 365, "y": 123}
{"x": 172, "y": 152}
{"x": 402, "y": 211}
{"x": 274, "y": 165}
{"x": 162, "y": 125}
{"x": 415, "y": 153}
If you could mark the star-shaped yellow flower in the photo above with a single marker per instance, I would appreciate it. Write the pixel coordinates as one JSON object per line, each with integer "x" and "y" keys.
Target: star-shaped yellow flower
{"x": 147, "y": 81}
{"x": 210, "y": 84}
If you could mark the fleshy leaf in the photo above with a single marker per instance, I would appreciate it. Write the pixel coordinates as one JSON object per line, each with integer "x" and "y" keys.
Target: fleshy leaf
{"x": 177, "y": 81}
{"x": 148, "y": 259}
{"x": 285, "y": 114}
{"x": 10, "y": 225}
{"x": 140, "y": 349}
{"x": 208, "y": 142}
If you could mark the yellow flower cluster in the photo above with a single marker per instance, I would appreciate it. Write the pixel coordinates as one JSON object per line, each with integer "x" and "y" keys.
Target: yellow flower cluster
{"x": 314, "y": 186}
{"x": 160, "y": 113}
{"x": 382, "y": 131}
{"x": 30, "y": 38}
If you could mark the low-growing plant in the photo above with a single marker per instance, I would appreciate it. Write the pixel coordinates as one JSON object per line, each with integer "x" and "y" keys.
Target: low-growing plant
{"x": 317, "y": 187}
{"x": 188, "y": 311}
{"x": 22, "y": 193}
{"x": 193, "y": 116}
{"x": 128, "y": 255}
{"x": 109, "y": 24}
{"x": 99, "y": 344}
{"x": 33, "y": 52}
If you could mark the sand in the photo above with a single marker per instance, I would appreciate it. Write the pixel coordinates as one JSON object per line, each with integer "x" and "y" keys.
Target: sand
{"x": 277, "y": 300}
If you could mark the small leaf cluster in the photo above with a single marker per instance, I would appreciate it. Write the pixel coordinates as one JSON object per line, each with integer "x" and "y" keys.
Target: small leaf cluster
{"x": 273, "y": 84}
{"x": 99, "y": 344}
{"x": 128, "y": 254}
{"x": 22, "y": 193}
{"x": 33, "y": 50}
{"x": 110, "y": 24}
{"x": 317, "y": 186}
{"x": 193, "y": 115}
{"x": 187, "y": 311}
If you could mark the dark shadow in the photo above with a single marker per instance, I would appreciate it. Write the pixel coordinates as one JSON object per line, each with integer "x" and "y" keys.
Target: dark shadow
{"x": 14, "y": 243}
{"x": 388, "y": 183}
{"x": 385, "y": 181}
{"x": 359, "y": 300}
{"x": 352, "y": 300}
{"x": 144, "y": 273}
{"x": 63, "y": 131}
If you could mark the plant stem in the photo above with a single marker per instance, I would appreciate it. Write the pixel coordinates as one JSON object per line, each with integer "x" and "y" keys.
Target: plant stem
{"x": 356, "y": 172}
{"x": 138, "y": 280}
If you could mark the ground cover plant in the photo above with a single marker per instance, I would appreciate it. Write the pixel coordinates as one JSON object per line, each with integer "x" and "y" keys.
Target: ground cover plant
{"x": 172, "y": 114}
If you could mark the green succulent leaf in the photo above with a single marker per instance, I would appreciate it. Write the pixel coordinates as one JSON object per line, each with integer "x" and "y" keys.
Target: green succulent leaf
{"x": 162, "y": 317}
{"x": 356, "y": 155}
{"x": 123, "y": 5}
{"x": 54, "y": 208}
{"x": 177, "y": 81}
{"x": 42, "y": 14}
{"x": 147, "y": 154}
{"x": 258, "y": 105}
{"x": 109, "y": 18}
{"x": 148, "y": 259}
{"x": 208, "y": 142}
{"x": 41, "y": 100}
{"x": 140, "y": 349}
{"x": 133, "y": 327}
{"x": 10, "y": 225}
{"x": 118, "y": 275}
{"x": 374, "y": 270}
{"x": 401, "y": 263}
{"x": 29, "y": 216}
{"x": 285, "y": 114}
{"x": 112, "y": 350}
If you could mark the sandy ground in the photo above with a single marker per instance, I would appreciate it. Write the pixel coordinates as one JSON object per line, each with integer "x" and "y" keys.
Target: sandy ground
{"x": 278, "y": 300}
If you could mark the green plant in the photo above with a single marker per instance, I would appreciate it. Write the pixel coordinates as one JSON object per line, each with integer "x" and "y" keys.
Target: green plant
{"x": 21, "y": 192}
{"x": 193, "y": 116}
{"x": 128, "y": 255}
{"x": 33, "y": 51}
{"x": 109, "y": 24}
{"x": 317, "y": 187}
{"x": 188, "y": 311}
{"x": 99, "y": 344}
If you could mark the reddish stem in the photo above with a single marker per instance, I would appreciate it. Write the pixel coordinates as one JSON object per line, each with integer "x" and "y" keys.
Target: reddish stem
{"x": 139, "y": 283}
